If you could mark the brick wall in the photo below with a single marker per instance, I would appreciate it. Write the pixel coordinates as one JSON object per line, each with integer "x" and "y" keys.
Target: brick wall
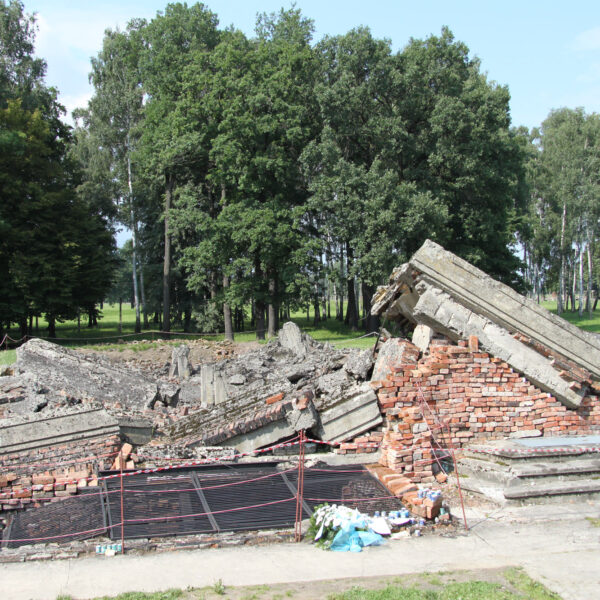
{"x": 42, "y": 475}
{"x": 480, "y": 398}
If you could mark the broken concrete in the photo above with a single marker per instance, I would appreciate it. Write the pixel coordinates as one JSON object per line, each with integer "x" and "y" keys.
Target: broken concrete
{"x": 52, "y": 367}
{"x": 292, "y": 383}
{"x": 444, "y": 293}
{"x": 350, "y": 417}
{"x": 79, "y": 425}
{"x": 180, "y": 362}
{"x": 359, "y": 365}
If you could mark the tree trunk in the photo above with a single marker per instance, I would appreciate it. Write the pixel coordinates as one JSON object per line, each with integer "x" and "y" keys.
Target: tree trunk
{"x": 23, "y": 327}
{"x": 187, "y": 318}
{"x": 166, "y": 282}
{"x": 259, "y": 308}
{"x": 574, "y": 284}
{"x": 136, "y": 294}
{"x": 371, "y": 321}
{"x": 120, "y": 315}
{"x": 51, "y": 326}
{"x": 272, "y": 309}
{"x": 227, "y": 312}
{"x": 259, "y": 303}
{"x": 561, "y": 276}
{"x": 581, "y": 250}
{"x": 351, "y": 311}
{"x": 317, "y": 318}
{"x": 588, "y": 300}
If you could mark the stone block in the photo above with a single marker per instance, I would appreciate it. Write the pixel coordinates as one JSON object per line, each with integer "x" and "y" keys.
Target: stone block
{"x": 350, "y": 417}
{"x": 180, "y": 364}
{"x": 422, "y": 336}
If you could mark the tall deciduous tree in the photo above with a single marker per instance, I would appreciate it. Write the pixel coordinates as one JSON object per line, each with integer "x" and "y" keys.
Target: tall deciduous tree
{"x": 55, "y": 248}
{"x": 113, "y": 119}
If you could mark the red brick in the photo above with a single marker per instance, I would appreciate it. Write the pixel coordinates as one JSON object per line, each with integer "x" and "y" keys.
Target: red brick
{"x": 275, "y": 398}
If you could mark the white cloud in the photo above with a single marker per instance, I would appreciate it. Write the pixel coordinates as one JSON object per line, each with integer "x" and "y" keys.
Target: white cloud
{"x": 587, "y": 40}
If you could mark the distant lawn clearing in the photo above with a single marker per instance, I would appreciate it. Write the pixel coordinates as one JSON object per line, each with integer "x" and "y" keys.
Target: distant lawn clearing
{"x": 331, "y": 330}
{"x": 585, "y": 322}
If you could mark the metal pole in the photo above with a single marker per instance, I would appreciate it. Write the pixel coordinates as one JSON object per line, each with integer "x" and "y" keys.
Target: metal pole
{"x": 300, "y": 489}
{"x": 122, "y": 502}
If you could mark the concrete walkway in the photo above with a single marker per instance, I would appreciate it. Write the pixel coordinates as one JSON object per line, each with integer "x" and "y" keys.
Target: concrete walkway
{"x": 556, "y": 545}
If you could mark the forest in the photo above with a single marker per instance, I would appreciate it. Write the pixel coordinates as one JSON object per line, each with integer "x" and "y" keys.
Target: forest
{"x": 268, "y": 174}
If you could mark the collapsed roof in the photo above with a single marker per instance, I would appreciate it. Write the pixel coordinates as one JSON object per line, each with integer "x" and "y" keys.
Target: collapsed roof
{"x": 436, "y": 291}
{"x": 292, "y": 383}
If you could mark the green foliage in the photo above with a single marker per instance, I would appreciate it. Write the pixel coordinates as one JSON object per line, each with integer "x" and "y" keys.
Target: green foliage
{"x": 269, "y": 171}
{"x": 219, "y": 587}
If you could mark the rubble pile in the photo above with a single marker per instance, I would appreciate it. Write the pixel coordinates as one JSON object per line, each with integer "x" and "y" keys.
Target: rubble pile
{"x": 482, "y": 362}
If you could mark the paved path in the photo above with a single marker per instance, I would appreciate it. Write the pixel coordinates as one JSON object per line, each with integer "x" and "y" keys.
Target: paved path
{"x": 556, "y": 545}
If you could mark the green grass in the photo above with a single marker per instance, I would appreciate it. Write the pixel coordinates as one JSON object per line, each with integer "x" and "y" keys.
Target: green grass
{"x": 485, "y": 584}
{"x": 331, "y": 330}
{"x": 593, "y": 522}
{"x": 106, "y": 332}
{"x": 531, "y": 589}
{"x": 585, "y": 322}
{"x": 515, "y": 584}
{"x": 8, "y": 357}
{"x": 168, "y": 595}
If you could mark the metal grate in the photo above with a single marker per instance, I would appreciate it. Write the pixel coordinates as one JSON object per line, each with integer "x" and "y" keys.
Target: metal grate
{"x": 204, "y": 499}
{"x": 350, "y": 485}
{"x": 77, "y": 518}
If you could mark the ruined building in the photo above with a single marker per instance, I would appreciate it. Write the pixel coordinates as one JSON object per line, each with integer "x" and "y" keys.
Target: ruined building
{"x": 483, "y": 363}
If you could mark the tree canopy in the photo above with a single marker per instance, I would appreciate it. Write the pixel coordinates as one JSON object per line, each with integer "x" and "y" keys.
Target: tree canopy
{"x": 56, "y": 243}
{"x": 261, "y": 174}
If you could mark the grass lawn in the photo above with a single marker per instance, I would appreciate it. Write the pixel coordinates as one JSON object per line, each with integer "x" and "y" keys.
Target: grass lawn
{"x": 331, "y": 330}
{"x": 107, "y": 331}
{"x": 490, "y": 584}
{"x": 585, "y": 322}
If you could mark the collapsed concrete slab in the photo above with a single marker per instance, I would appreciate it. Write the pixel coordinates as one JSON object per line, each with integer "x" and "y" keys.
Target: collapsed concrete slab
{"x": 48, "y": 367}
{"x": 350, "y": 417}
{"x": 438, "y": 290}
{"x": 291, "y": 384}
{"x": 81, "y": 425}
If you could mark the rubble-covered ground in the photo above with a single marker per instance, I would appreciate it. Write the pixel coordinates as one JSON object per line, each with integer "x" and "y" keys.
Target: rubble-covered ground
{"x": 195, "y": 394}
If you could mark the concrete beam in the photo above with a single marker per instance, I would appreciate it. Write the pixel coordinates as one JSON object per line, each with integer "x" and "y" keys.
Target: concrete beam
{"x": 57, "y": 430}
{"x": 501, "y": 305}
{"x": 440, "y": 311}
{"x": 350, "y": 417}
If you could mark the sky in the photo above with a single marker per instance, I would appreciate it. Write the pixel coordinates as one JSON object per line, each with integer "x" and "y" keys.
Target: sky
{"x": 546, "y": 52}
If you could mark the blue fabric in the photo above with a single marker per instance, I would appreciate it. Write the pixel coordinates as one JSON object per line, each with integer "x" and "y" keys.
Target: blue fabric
{"x": 347, "y": 539}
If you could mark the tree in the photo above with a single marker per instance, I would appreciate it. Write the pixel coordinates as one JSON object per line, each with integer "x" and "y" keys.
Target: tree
{"x": 55, "y": 250}
{"x": 112, "y": 121}
{"x": 172, "y": 143}
{"x": 567, "y": 160}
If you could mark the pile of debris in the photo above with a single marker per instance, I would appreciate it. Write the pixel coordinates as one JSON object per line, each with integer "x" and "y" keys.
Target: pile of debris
{"x": 482, "y": 363}
{"x": 437, "y": 292}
